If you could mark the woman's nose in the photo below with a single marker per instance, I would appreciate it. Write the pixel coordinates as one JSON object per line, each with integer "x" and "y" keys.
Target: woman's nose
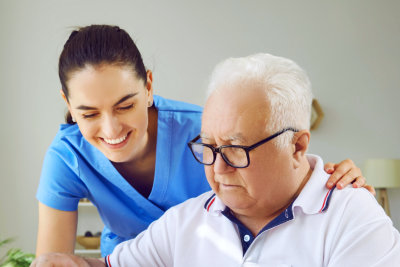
{"x": 111, "y": 126}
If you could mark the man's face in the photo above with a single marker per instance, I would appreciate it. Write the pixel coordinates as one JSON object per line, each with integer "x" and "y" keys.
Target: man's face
{"x": 234, "y": 118}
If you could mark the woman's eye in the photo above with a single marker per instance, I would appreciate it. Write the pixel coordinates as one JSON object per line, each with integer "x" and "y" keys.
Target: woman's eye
{"x": 88, "y": 116}
{"x": 126, "y": 107}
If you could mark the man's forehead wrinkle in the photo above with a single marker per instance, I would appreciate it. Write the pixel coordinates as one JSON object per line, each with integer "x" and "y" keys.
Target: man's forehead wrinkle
{"x": 236, "y": 137}
{"x": 229, "y": 137}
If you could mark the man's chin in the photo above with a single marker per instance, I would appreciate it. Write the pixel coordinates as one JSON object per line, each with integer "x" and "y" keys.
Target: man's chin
{"x": 234, "y": 200}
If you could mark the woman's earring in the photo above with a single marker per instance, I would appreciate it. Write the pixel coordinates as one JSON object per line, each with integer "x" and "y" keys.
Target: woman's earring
{"x": 150, "y": 103}
{"x": 73, "y": 119}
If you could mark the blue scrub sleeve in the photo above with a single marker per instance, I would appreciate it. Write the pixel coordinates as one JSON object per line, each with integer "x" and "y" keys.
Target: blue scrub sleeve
{"x": 60, "y": 186}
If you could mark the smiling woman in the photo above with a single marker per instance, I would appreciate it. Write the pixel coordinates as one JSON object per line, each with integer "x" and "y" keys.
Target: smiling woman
{"x": 123, "y": 148}
{"x": 110, "y": 106}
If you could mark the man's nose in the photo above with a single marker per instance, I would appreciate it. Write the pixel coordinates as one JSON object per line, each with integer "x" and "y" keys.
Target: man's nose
{"x": 220, "y": 166}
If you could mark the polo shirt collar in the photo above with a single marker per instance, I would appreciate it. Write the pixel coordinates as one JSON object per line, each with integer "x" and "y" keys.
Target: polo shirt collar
{"x": 315, "y": 197}
{"x": 214, "y": 205}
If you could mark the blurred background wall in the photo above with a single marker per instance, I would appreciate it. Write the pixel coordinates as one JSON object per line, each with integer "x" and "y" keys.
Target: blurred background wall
{"x": 350, "y": 50}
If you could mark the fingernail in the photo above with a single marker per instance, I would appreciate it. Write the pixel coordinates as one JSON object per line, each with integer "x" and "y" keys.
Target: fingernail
{"x": 340, "y": 185}
{"x": 330, "y": 184}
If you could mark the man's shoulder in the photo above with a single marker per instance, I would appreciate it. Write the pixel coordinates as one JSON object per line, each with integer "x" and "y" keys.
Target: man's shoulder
{"x": 316, "y": 198}
{"x": 356, "y": 200}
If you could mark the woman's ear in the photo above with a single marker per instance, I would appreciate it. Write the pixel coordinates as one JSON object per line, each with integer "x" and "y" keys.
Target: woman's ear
{"x": 301, "y": 140}
{"x": 67, "y": 102}
{"x": 64, "y": 97}
{"x": 149, "y": 88}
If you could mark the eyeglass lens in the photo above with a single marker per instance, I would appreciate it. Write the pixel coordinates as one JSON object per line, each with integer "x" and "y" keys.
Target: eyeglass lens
{"x": 235, "y": 156}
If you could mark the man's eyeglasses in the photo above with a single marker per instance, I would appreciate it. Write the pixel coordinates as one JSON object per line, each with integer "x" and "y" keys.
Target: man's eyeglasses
{"x": 234, "y": 155}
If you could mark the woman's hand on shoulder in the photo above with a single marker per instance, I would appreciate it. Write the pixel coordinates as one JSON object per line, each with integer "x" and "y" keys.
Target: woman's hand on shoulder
{"x": 344, "y": 173}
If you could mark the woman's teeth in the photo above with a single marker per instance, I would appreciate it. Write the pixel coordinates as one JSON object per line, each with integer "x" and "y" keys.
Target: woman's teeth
{"x": 115, "y": 141}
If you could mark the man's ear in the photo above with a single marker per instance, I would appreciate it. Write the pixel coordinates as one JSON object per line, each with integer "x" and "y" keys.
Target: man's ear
{"x": 301, "y": 140}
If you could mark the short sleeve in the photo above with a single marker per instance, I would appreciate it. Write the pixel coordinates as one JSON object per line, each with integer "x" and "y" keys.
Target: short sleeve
{"x": 152, "y": 247}
{"x": 365, "y": 228}
{"x": 60, "y": 186}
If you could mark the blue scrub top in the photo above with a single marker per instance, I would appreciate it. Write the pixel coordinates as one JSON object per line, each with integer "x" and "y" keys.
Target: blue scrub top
{"x": 74, "y": 169}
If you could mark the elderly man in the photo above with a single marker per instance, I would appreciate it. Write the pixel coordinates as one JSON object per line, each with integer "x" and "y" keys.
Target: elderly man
{"x": 269, "y": 205}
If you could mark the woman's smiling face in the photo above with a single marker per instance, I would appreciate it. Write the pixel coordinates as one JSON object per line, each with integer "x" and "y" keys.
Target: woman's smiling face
{"x": 110, "y": 106}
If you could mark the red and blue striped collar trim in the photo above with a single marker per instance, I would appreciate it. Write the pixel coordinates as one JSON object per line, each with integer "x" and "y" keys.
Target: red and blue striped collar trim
{"x": 107, "y": 261}
{"x": 327, "y": 199}
{"x": 209, "y": 202}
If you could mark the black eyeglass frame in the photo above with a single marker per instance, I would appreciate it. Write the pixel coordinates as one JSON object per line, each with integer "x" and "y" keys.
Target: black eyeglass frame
{"x": 247, "y": 149}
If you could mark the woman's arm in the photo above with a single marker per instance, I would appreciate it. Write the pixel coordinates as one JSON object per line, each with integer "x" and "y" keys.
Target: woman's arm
{"x": 56, "y": 230}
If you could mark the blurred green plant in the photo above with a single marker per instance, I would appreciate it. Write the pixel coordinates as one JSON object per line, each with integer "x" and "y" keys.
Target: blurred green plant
{"x": 15, "y": 257}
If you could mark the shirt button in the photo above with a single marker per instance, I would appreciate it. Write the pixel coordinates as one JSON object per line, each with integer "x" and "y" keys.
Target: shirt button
{"x": 246, "y": 238}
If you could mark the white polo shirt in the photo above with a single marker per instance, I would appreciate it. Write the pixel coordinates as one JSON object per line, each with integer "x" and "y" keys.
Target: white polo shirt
{"x": 320, "y": 228}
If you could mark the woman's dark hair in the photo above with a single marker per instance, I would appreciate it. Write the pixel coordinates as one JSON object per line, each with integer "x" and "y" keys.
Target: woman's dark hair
{"x": 95, "y": 45}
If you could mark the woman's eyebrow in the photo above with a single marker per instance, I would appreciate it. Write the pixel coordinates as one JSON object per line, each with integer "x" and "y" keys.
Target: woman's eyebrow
{"x": 83, "y": 107}
{"x": 125, "y": 98}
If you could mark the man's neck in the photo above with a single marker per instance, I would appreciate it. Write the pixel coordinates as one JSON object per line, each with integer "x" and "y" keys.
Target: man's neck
{"x": 256, "y": 223}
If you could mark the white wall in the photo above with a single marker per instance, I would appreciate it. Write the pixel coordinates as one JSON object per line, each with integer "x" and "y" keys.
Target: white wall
{"x": 349, "y": 48}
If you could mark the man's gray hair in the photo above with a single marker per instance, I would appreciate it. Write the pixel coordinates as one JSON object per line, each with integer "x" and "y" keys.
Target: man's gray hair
{"x": 287, "y": 87}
